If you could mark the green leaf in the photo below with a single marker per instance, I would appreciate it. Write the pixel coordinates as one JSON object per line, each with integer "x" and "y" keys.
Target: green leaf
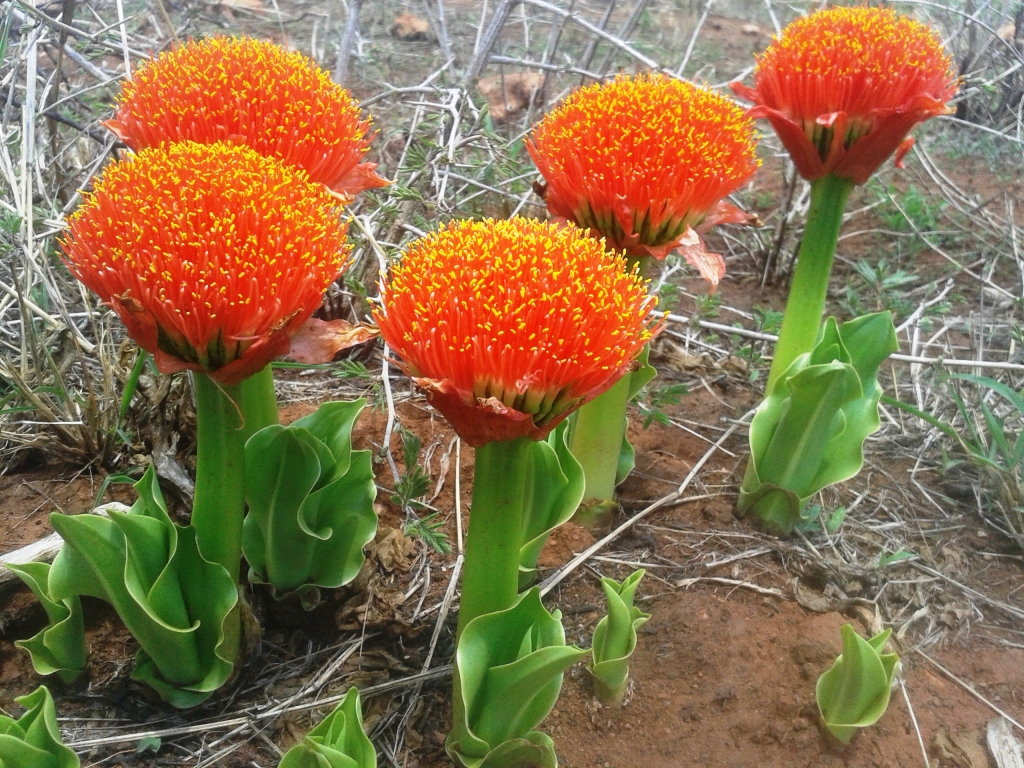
{"x": 554, "y": 489}
{"x": 310, "y": 500}
{"x": 175, "y": 602}
{"x": 809, "y": 431}
{"x": 627, "y": 458}
{"x": 534, "y": 750}
{"x": 431, "y": 529}
{"x": 332, "y": 425}
{"x": 508, "y": 673}
{"x": 835, "y": 520}
{"x": 895, "y": 557}
{"x": 854, "y": 693}
{"x": 638, "y": 379}
{"x": 338, "y": 741}
{"x": 148, "y": 744}
{"x": 615, "y": 638}
{"x": 59, "y": 647}
{"x": 282, "y": 468}
{"x": 33, "y": 740}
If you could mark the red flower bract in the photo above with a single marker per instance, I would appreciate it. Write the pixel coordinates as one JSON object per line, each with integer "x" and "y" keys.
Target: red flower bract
{"x": 843, "y": 87}
{"x": 509, "y": 326}
{"x": 644, "y": 161}
{"x": 212, "y": 255}
{"x": 250, "y": 92}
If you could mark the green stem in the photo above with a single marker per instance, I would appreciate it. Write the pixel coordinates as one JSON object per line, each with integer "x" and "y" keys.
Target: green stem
{"x": 220, "y": 473}
{"x": 490, "y": 579}
{"x": 259, "y": 404}
{"x": 597, "y": 440}
{"x": 806, "y": 302}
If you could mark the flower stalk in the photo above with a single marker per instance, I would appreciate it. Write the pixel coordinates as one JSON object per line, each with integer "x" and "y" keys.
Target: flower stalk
{"x": 490, "y": 578}
{"x": 259, "y": 403}
{"x": 597, "y": 436}
{"x": 219, "y": 504}
{"x": 802, "y": 318}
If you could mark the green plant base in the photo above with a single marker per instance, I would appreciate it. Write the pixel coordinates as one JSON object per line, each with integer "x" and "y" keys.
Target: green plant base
{"x": 610, "y": 697}
{"x": 596, "y": 515}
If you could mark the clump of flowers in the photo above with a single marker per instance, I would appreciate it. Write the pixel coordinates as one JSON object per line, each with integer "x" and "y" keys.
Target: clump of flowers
{"x": 509, "y": 326}
{"x": 250, "y": 92}
{"x": 213, "y": 255}
{"x": 645, "y": 162}
{"x": 843, "y": 88}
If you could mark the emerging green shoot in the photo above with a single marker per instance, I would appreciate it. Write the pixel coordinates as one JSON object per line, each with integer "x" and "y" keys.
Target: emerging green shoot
{"x": 854, "y": 692}
{"x": 615, "y": 639}
{"x": 33, "y": 740}
{"x": 338, "y": 741}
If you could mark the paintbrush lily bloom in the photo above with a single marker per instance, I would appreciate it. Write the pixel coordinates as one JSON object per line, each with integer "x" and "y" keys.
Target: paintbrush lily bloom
{"x": 213, "y": 256}
{"x": 645, "y": 163}
{"x": 844, "y": 87}
{"x": 255, "y": 93}
{"x": 509, "y": 326}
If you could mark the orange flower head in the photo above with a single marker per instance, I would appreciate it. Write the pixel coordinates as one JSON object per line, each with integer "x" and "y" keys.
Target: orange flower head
{"x": 250, "y": 92}
{"x": 509, "y": 326}
{"x": 644, "y": 162}
{"x": 212, "y": 255}
{"x": 844, "y": 87}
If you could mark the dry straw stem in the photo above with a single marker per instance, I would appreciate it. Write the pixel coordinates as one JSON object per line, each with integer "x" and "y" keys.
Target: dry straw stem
{"x": 970, "y": 689}
{"x": 677, "y": 496}
{"x": 246, "y": 721}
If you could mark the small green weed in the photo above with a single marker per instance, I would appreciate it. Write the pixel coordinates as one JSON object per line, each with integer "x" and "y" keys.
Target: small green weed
{"x": 767, "y": 320}
{"x": 653, "y": 402}
{"x": 882, "y": 285}
{"x": 351, "y": 369}
{"x": 919, "y": 211}
{"x": 992, "y": 440}
{"x": 706, "y": 306}
{"x": 414, "y": 482}
{"x": 430, "y": 529}
{"x": 413, "y": 485}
